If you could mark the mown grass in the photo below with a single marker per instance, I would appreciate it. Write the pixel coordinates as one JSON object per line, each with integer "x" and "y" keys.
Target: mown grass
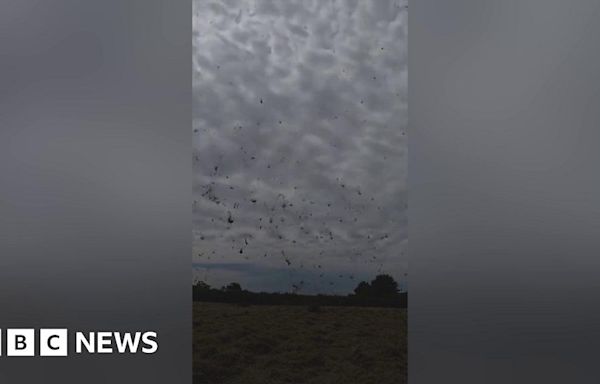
{"x": 290, "y": 344}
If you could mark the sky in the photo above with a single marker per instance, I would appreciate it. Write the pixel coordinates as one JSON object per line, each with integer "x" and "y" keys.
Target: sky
{"x": 299, "y": 143}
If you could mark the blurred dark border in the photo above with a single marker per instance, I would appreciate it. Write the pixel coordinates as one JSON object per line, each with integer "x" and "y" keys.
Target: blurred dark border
{"x": 504, "y": 186}
{"x": 95, "y": 175}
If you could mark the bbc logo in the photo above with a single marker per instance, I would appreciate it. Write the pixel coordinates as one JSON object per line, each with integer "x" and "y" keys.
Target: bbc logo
{"x": 22, "y": 342}
{"x": 54, "y": 342}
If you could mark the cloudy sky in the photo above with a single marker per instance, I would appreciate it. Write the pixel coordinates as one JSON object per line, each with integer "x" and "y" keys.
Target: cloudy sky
{"x": 299, "y": 143}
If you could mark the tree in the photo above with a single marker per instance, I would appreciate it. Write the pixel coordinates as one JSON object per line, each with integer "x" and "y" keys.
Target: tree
{"x": 384, "y": 286}
{"x": 233, "y": 287}
{"x": 363, "y": 289}
{"x": 202, "y": 286}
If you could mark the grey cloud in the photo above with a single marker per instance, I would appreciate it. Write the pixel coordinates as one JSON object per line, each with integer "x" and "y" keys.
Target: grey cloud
{"x": 300, "y": 138}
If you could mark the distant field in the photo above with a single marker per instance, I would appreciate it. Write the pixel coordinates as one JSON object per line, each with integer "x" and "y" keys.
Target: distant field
{"x": 236, "y": 344}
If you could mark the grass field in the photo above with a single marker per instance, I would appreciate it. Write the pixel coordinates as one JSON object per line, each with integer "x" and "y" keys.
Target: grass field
{"x": 236, "y": 344}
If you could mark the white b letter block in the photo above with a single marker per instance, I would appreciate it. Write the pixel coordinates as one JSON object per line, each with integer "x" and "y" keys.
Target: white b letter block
{"x": 53, "y": 342}
{"x": 20, "y": 342}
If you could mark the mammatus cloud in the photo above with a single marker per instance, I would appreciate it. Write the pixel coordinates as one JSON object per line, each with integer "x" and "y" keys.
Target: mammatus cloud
{"x": 300, "y": 115}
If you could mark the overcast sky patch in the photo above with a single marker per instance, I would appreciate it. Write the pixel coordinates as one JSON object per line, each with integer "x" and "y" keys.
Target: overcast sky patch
{"x": 299, "y": 147}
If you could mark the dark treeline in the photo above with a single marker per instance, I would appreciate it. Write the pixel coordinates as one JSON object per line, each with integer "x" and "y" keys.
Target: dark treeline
{"x": 380, "y": 292}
